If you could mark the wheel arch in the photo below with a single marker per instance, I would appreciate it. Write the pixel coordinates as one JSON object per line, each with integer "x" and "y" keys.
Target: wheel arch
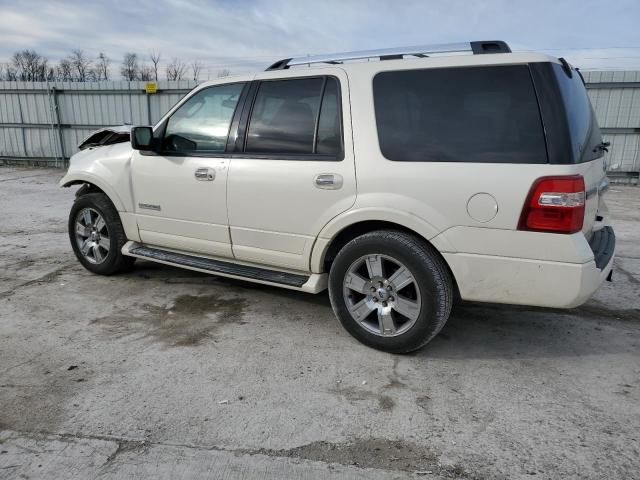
{"x": 325, "y": 254}
{"x": 89, "y": 185}
{"x": 93, "y": 185}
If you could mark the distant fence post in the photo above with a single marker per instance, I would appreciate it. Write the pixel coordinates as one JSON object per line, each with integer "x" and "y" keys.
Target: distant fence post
{"x": 24, "y": 138}
{"x": 148, "y": 109}
{"x": 56, "y": 111}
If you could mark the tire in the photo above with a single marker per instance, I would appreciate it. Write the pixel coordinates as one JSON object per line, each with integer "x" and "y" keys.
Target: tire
{"x": 397, "y": 322}
{"x": 108, "y": 239}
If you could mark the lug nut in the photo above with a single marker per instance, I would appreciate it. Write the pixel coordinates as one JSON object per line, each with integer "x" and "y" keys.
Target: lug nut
{"x": 391, "y": 299}
{"x": 373, "y": 289}
{"x": 384, "y": 304}
{"x": 375, "y": 299}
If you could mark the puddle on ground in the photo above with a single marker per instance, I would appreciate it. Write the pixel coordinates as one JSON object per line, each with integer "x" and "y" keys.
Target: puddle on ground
{"x": 187, "y": 321}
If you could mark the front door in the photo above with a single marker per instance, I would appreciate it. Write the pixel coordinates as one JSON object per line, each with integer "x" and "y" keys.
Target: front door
{"x": 295, "y": 169}
{"x": 181, "y": 193}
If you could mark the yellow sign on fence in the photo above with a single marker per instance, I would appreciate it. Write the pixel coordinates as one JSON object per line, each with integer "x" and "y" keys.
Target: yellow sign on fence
{"x": 151, "y": 87}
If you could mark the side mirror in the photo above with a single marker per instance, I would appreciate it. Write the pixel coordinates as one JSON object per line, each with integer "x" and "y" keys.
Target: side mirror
{"x": 142, "y": 138}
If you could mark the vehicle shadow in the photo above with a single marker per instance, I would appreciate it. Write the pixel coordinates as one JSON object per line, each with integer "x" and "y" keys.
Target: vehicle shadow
{"x": 485, "y": 331}
{"x": 175, "y": 275}
{"x": 480, "y": 331}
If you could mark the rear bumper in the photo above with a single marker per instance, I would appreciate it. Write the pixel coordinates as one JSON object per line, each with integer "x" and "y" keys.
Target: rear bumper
{"x": 496, "y": 279}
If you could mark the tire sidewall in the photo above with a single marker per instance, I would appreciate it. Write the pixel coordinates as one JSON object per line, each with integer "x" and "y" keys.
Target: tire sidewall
{"x": 433, "y": 305}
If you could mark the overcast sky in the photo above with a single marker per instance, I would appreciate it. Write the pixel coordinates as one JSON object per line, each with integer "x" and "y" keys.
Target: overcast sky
{"x": 241, "y": 35}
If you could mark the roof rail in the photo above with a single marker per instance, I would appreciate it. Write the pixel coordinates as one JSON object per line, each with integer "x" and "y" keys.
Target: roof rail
{"x": 492, "y": 46}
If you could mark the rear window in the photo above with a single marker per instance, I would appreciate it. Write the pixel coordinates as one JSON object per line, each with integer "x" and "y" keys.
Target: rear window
{"x": 470, "y": 114}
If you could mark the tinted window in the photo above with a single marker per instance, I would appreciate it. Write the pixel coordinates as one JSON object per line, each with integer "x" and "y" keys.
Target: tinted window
{"x": 583, "y": 127}
{"x": 202, "y": 122}
{"x": 285, "y": 115}
{"x": 472, "y": 114}
{"x": 329, "y": 126}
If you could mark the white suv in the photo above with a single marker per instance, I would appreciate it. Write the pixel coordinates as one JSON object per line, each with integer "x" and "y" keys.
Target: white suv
{"x": 399, "y": 179}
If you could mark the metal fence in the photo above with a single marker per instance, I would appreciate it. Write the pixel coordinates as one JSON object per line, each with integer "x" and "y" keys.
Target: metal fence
{"x": 616, "y": 99}
{"x": 42, "y": 123}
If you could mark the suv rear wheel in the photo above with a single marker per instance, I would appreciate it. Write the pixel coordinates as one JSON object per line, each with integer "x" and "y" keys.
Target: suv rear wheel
{"x": 97, "y": 235}
{"x": 390, "y": 290}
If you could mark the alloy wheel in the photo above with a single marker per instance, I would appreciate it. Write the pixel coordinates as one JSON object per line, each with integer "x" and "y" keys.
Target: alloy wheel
{"x": 382, "y": 295}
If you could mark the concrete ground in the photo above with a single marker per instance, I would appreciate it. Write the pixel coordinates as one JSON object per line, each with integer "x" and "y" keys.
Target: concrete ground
{"x": 166, "y": 373}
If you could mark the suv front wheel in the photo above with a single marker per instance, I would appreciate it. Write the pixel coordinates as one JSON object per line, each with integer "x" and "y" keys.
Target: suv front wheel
{"x": 390, "y": 290}
{"x": 97, "y": 235}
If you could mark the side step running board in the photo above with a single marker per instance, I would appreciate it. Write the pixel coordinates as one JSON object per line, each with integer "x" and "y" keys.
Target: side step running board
{"x": 208, "y": 265}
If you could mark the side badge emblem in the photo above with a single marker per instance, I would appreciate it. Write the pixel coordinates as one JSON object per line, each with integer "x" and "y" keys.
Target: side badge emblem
{"x": 148, "y": 206}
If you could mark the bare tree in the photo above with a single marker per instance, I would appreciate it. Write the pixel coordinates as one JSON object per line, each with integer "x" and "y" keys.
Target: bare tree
{"x": 146, "y": 73}
{"x": 155, "y": 59}
{"x": 81, "y": 65}
{"x": 64, "y": 70}
{"x": 29, "y": 66}
{"x": 196, "y": 67}
{"x": 102, "y": 67}
{"x": 176, "y": 69}
{"x": 11, "y": 74}
{"x": 130, "y": 69}
{"x": 223, "y": 73}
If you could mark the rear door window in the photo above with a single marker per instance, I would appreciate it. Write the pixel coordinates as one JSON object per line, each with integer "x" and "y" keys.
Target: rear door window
{"x": 464, "y": 114}
{"x": 296, "y": 116}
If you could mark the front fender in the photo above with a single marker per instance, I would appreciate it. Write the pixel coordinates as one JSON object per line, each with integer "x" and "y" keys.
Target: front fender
{"x": 108, "y": 168}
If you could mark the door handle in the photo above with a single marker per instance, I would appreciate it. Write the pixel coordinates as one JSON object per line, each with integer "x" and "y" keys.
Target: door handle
{"x": 328, "y": 181}
{"x": 205, "y": 174}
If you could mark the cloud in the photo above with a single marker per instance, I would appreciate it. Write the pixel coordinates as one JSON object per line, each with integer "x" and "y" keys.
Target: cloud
{"x": 241, "y": 35}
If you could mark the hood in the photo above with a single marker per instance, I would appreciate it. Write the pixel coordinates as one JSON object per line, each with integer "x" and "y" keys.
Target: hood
{"x": 107, "y": 136}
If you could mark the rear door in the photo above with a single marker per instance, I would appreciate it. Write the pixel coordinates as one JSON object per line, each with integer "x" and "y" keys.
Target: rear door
{"x": 293, "y": 170}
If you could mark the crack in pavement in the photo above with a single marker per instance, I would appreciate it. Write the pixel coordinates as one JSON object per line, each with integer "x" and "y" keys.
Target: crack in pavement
{"x": 377, "y": 454}
{"x": 26, "y": 362}
{"x": 126, "y": 446}
{"x": 46, "y": 278}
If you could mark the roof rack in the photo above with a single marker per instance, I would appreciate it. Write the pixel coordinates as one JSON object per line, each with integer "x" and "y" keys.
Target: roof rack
{"x": 492, "y": 46}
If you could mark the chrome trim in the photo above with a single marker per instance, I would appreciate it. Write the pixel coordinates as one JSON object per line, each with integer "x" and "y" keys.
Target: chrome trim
{"x": 328, "y": 181}
{"x": 205, "y": 174}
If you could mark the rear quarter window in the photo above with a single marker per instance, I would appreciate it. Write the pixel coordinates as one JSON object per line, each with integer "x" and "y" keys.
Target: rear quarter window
{"x": 584, "y": 131}
{"x": 463, "y": 114}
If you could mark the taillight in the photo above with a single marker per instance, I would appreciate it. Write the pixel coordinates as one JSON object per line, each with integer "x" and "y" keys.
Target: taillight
{"x": 554, "y": 204}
